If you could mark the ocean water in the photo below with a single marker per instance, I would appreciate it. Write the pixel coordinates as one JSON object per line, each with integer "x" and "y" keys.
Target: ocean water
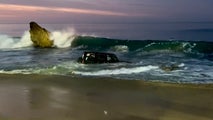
{"x": 163, "y": 52}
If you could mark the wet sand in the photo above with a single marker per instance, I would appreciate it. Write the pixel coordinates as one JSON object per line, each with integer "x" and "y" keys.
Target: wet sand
{"x": 43, "y": 97}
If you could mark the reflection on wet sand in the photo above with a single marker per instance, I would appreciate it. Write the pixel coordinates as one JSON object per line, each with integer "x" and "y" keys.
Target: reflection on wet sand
{"x": 51, "y": 98}
{"x": 13, "y": 101}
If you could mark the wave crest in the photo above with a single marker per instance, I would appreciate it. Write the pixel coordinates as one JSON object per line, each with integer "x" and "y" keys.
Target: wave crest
{"x": 118, "y": 71}
{"x": 63, "y": 38}
{"x": 8, "y": 42}
{"x": 120, "y": 48}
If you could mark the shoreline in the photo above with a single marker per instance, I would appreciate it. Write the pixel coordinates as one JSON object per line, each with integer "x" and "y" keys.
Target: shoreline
{"x": 52, "y": 97}
{"x": 99, "y": 79}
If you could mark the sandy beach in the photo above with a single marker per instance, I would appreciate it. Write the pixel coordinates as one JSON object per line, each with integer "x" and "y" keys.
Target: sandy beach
{"x": 43, "y": 97}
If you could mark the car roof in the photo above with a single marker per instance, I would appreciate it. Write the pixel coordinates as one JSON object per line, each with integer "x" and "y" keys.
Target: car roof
{"x": 99, "y": 53}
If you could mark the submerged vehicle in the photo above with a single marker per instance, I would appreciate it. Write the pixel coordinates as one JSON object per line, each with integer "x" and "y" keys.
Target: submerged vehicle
{"x": 97, "y": 58}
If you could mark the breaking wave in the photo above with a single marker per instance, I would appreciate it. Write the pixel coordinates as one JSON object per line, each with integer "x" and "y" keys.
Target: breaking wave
{"x": 102, "y": 44}
{"x": 62, "y": 39}
{"x": 8, "y": 42}
{"x": 68, "y": 38}
{"x": 118, "y": 71}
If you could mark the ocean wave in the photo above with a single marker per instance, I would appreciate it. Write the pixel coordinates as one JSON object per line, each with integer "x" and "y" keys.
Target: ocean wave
{"x": 120, "y": 48}
{"x": 181, "y": 73}
{"x": 68, "y": 38}
{"x": 117, "y": 71}
{"x": 62, "y": 39}
{"x": 116, "y": 45}
{"x": 8, "y": 42}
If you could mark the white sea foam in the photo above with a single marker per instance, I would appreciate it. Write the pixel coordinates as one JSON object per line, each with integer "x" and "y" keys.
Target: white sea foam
{"x": 23, "y": 71}
{"x": 63, "y": 38}
{"x": 7, "y": 42}
{"x": 24, "y": 41}
{"x": 118, "y": 71}
{"x": 120, "y": 48}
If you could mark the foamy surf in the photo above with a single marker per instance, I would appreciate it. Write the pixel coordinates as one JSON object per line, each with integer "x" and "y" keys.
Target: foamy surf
{"x": 62, "y": 39}
{"x": 120, "y": 48}
{"x": 8, "y": 42}
{"x": 118, "y": 71}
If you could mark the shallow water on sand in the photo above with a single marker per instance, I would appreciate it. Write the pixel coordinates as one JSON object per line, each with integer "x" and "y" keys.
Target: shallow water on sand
{"x": 24, "y": 97}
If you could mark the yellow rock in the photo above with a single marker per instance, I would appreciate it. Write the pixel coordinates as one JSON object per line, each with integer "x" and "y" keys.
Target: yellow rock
{"x": 40, "y": 36}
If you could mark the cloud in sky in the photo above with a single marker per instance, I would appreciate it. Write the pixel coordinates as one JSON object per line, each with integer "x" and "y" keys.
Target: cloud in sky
{"x": 19, "y": 13}
{"x": 27, "y": 8}
{"x": 114, "y": 11}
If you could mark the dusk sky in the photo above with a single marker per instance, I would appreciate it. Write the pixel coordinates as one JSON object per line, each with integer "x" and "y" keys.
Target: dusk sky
{"x": 105, "y": 11}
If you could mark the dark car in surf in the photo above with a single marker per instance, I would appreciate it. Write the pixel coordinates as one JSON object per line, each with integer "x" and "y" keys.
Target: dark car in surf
{"x": 97, "y": 58}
